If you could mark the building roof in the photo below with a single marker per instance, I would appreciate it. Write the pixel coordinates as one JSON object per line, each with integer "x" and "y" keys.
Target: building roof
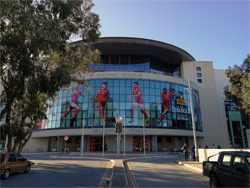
{"x": 139, "y": 46}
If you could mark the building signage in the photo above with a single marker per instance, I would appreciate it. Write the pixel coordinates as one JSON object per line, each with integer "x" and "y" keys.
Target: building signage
{"x": 181, "y": 102}
{"x": 113, "y": 131}
{"x": 118, "y": 75}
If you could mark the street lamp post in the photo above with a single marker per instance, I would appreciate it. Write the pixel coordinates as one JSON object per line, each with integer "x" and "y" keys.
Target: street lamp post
{"x": 144, "y": 144}
{"x": 192, "y": 117}
{"x": 124, "y": 135}
{"x": 103, "y": 134}
{"x": 82, "y": 140}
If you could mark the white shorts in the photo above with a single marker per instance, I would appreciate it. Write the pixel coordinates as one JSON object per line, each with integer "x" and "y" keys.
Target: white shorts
{"x": 72, "y": 104}
{"x": 137, "y": 105}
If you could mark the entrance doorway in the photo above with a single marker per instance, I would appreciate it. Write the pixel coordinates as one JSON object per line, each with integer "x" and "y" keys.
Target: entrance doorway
{"x": 96, "y": 143}
{"x": 138, "y": 143}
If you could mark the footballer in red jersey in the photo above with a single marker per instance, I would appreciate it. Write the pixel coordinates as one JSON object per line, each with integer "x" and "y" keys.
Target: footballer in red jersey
{"x": 103, "y": 96}
{"x": 138, "y": 102}
{"x": 73, "y": 104}
{"x": 165, "y": 100}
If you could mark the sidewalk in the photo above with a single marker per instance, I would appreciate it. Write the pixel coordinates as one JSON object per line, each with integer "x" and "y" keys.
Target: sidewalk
{"x": 194, "y": 165}
{"x": 110, "y": 155}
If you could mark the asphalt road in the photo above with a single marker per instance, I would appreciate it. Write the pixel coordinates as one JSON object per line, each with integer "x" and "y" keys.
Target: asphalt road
{"x": 56, "y": 172}
{"x": 162, "y": 172}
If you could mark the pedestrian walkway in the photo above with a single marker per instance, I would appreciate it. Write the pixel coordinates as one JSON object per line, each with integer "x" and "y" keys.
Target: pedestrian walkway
{"x": 119, "y": 177}
{"x": 194, "y": 165}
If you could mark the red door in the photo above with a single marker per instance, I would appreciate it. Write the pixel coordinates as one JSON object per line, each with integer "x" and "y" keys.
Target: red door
{"x": 138, "y": 143}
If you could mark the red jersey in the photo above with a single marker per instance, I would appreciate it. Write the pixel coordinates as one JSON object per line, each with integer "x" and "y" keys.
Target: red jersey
{"x": 166, "y": 98}
{"x": 137, "y": 91}
{"x": 75, "y": 96}
{"x": 103, "y": 95}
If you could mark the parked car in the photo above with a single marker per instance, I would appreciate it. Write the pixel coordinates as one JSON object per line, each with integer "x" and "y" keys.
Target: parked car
{"x": 232, "y": 169}
{"x": 13, "y": 162}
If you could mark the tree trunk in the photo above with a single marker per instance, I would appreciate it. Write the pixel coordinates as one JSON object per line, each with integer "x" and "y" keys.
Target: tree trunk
{"x": 21, "y": 145}
{"x": 9, "y": 145}
{"x": 15, "y": 146}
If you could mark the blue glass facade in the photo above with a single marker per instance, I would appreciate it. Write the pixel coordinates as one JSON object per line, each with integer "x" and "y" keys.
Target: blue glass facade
{"x": 178, "y": 115}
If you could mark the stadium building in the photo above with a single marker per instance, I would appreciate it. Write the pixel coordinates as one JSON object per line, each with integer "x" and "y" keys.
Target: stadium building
{"x": 145, "y": 81}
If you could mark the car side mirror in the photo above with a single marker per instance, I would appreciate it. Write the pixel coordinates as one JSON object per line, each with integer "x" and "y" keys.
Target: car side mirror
{"x": 24, "y": 159}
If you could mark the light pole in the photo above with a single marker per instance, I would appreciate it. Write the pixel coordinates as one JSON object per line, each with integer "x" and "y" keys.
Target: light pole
{"x": 144, "y": 144}
{"x": 124, "y": 134}
{"x": 82, "y": 140}
{"x": 103, "y": 135}
{"x": 192, "y": 117}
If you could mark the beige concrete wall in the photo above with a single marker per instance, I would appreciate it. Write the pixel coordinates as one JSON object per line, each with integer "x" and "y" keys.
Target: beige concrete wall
{"x": 214, "y": 130}
{"x": 205, "y": 153}
{"x": 221, "y": 81}
{"x": 36, "y": 144}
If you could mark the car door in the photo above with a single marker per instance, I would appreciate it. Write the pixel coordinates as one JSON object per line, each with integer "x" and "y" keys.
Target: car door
{"x": 224, "y": 170}
{"x": 12, "y": 163}
{"x": 21, "y": 162}
{"x": 240, "y": 173}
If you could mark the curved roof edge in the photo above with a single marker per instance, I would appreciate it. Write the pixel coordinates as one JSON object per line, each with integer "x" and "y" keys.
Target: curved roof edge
{"x": 136, "y": 40}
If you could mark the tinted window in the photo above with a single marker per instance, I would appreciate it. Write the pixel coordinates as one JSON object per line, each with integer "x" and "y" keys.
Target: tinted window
{"x": 199, "y": 80}
{"x": 12, "y": 158}
{"x": 226, "y": 160}
{"x": 198, "y": 69}
{"x": 19, "y": 157}
{"x": 198, "y": 74}
{"x": 2, "y": 158}
{"x": 239, "y": 165}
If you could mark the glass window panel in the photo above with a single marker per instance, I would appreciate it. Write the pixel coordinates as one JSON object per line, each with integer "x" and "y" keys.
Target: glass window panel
{"x": 157, "y": 85}
{"x": 145, "y": 91}
{"x": 146, "y": 83}
{"x": 116, "y": 83}
{"x": 128, "y": 83}
{"x": 152, "y": 84}
{"x": 122, "y": 105}
{"x": 122, "y": 82}
{"x": 140, "y": 82}
{"x": 129, "y": 90}
{"x": 116, "y": 97}
{"x": 152, "y": 91}
{"x": 96, "y": 122}
{"x": 122, "y": 90}
{"x": 116, "y": 91}
{"x": 123, "y": 98}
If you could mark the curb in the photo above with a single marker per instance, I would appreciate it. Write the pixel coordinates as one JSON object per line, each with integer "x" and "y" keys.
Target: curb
{"x": 189, "y": 166}
{"x": 79, "y": 157}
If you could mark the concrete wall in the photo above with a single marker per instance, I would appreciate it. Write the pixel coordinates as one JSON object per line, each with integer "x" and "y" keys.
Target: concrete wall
{"x": 205, "y": 153}
{"x": 214, "y": 130}
{"x": 37, "y": 145}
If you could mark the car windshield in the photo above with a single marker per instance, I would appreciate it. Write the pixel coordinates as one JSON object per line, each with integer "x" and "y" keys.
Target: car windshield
{"x": 2, "y": 158}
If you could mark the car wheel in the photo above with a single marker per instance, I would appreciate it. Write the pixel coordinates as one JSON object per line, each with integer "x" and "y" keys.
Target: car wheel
{"x": 27, "y": 169}
{"x": 214, "y": 181}
{"x": 6, "y": 174}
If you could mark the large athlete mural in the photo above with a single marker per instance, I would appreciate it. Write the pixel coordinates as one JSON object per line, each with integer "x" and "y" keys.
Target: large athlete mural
{"x": 165, "y": 101}
{"x": 138, "y": 102}
{"x": 103, "y": 96}
{"x": 73, "y": 104}
{"x": 68, "y": 108}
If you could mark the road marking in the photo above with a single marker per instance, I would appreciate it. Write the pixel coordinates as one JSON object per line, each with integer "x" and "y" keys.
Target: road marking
{"x": 105, "y": 175}
{"x": 131, "y": 176}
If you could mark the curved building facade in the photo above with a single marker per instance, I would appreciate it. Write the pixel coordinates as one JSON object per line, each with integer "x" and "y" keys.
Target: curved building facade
{"x": 144, "y": 81}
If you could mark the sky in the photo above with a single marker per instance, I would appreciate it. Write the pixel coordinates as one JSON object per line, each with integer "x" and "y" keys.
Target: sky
{"x": 209, "y": 30}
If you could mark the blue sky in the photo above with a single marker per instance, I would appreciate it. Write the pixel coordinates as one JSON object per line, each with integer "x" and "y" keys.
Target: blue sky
{"x": 212, "y": 30}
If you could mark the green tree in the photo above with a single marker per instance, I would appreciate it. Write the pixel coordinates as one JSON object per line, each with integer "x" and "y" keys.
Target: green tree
{"x": 37, "y": 60}
{"x": 239, "y": 90}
